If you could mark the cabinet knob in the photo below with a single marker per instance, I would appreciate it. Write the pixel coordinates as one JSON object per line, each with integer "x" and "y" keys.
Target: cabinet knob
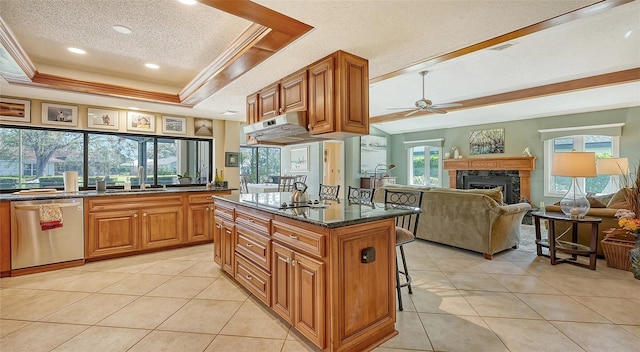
{"x": 288, "y": 260}
{"x": 309, "y": 127}
{"x": 135, "y": 215}
{"x": 144, "y": 214}
{"x": 281, "y": 110}
{"x": 293, "y": 237}
{"x": 248, "y": 277}
{"x": 218, "y": 226}
{"x": 293, "y": 262}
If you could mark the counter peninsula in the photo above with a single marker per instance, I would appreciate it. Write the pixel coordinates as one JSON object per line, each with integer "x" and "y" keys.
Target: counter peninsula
{"x": 327, "y": 269}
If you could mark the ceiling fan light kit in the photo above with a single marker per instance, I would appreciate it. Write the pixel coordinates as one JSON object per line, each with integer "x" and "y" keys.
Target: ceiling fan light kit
{"x": 425, "y": 104}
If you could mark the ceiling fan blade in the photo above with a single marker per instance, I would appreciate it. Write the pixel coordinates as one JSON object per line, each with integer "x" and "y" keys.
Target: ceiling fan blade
{"x": 435, "y": 110}
{"x": 413, "y": 112}
{"x": 411, "y": 108}
{"x": 445, "y": 106}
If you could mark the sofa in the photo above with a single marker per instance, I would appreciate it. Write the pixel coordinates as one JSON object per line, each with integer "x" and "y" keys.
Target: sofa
{"x": 472, "y": 219}
{"x": 604, "y": 207}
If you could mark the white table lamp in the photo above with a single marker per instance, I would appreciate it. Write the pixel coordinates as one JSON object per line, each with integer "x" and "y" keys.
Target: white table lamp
{"x": 613, "y": 167}
{"x": 574, "y": 165}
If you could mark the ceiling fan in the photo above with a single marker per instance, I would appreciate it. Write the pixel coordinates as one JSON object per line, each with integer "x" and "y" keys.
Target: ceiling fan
{"x": 425, "y": 104}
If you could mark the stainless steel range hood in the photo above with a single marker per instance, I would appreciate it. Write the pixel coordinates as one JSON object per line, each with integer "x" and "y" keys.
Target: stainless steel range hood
{"x": 290, "y": 128}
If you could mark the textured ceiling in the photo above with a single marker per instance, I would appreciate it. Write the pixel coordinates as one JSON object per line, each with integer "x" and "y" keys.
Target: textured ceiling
{"x": 393, "y": 35}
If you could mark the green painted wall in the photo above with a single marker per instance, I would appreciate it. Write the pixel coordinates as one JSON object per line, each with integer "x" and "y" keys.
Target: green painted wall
{"x": 518, "y": 136}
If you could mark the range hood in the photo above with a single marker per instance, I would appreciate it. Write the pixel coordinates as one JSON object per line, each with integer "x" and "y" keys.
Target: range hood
{"x": 289, "y": 128}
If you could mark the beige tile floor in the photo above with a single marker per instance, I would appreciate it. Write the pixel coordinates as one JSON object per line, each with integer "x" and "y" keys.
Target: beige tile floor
{"x": 179, "y": 300}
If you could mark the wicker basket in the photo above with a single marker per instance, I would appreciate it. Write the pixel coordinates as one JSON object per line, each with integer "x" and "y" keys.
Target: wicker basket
{"x": 616, "y": 246}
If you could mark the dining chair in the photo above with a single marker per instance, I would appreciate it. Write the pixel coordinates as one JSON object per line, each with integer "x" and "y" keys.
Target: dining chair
{"x": 285, "y": 183}
{"x": 244, "y": 180}
{"x": 360, "y": 195}
{"x": 329, "y": 192}
{"x": 406, "y": 228}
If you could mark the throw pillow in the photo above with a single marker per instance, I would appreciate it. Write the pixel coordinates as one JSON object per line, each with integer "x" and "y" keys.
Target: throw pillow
{"x": 618, "y": 201}
{"x": 595, "y": 202}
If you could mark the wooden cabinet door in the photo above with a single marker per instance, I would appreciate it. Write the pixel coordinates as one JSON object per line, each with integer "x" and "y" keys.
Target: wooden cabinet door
{"x": 162, "y": 226}
{"x": 352, "y": 93}
{"x": 217, "y": 240}
{"x": 269, "y": 102}
{"x": 309, "y": 295}
{"x": 293, "y": 92}
{"x": 199, "y": 222}
{"x": 321, "y": 105}
{"x": 227, "y": 247}
{"x": 112, "y": 232}
{"x": 5, "y": 237}
{"x": 282, "y": 282}
{"x": 252, "y": 109}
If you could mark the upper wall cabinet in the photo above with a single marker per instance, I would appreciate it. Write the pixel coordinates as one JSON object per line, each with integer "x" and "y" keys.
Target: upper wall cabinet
{"x": 334, "y": 92}
{"x": 286, "y": 95}
{"x": 339, "y": 96}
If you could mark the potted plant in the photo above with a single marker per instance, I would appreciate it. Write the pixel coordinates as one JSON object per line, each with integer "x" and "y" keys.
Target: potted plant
{"x": 184, "y": 179}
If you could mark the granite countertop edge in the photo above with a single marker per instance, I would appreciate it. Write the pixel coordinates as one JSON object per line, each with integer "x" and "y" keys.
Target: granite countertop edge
{"x": 109, "y": 193}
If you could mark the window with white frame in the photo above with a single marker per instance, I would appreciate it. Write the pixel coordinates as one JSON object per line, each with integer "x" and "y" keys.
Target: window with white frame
{"x": 603, "y": 146}
{"x": 425, "y": 165}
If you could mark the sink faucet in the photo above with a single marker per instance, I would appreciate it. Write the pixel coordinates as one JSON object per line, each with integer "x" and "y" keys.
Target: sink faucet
{"x": 141, "y": 177}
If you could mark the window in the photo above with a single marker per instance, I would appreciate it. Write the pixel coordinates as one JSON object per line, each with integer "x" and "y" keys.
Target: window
{"x": 34, "y": 158}
{"x": 260, "y": 163}
{"x": 422, "y": 172}
{"x": 603, "y": 146}
{"x": 38, "y": 157}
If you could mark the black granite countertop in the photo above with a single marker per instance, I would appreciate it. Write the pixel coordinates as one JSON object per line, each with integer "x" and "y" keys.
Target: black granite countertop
{"x": 331, "y": 214}
{"x": 109, "y": 192}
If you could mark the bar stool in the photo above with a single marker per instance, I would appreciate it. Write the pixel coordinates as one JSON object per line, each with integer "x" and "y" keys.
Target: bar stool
{"x": 329, "y": 192}
{"x": 406, "y": 228}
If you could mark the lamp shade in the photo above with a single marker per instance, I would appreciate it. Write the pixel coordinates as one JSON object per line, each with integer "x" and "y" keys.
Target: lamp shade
{"x": 574, "y": 164}
{"x": 612, "y": 166}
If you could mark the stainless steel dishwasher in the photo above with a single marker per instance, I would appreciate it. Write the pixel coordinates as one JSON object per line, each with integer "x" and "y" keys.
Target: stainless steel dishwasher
{"x": 32, "y": 246}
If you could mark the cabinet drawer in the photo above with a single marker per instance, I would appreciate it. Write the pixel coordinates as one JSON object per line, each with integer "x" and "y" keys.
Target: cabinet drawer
{"x": 223, "y": 210}
{"x": 253, "y": 279}
{"x": 254, "y": 246}
{"x": 298, "y": 238}
{"x": 254, "y": 219}
{"x": 200, "y": 198}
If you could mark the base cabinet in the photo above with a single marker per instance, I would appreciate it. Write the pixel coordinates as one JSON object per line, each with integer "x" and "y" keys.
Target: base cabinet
{"x": 298, "y": 292}
{"x": 162, "y": 227}
{"x": 112, "y": 232}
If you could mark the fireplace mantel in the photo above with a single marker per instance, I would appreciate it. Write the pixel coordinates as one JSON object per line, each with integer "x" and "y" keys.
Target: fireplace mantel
{"x": 523, "y": 164}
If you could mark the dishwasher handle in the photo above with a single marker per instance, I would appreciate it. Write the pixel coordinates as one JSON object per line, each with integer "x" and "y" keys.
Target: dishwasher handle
{"x": 36, "y": 207}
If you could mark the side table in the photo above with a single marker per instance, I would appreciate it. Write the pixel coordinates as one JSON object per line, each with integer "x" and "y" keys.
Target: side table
{"x": 556, "y": 243}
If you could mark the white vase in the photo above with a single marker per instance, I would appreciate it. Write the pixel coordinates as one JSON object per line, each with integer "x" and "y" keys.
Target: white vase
{"x": 456, "y": 154}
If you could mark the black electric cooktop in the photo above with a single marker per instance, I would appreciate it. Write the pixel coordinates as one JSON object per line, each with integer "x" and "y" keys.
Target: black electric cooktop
{"x": 277, "y": 200}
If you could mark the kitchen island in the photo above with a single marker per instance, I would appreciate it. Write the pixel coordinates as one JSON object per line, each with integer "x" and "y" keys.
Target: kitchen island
{"x": 328, "y": 269}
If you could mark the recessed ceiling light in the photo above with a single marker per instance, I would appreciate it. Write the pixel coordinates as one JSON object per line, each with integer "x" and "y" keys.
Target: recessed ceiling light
{"x": 188, "y": 2}
{"x": 628, "y": 34}
{"x": 133, "y": 108}
{"x": 122, "y": 29}
{"x": 77, "y": 51}
{"x": 153, "y": 66}
{"x": 229, "y": 112}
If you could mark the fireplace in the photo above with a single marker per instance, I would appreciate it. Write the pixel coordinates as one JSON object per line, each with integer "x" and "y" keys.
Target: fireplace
{"x": 509, "y": 180}
{"x": 512, "y": 173}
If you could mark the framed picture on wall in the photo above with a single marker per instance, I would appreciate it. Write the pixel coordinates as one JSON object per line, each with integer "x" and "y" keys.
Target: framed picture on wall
{"x": 373, "y": 151}
{"x": 141, "y": 121}
{"x": 57, "y": 114}
{"x": 486, "y": 141}
{"x": 231, "y": 159}
{"x": 203, "y": 127}
{"x": 174, "y": 125}
{"x": 18, "y": 110}
{"x": 299, "y": 159}
{"x": 103, "y": 119}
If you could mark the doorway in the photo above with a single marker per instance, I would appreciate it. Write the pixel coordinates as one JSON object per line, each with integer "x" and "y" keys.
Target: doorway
{"x": 333, "y": 164}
